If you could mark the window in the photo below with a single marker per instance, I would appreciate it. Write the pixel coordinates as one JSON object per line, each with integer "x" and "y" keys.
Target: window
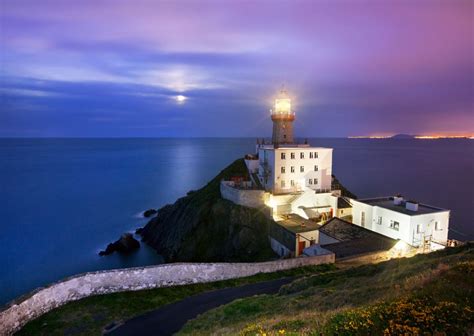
{"x": 292, "y": 182}
{"x": 283, "y": 183}
{"x": 437, "y": 226}
{"x": 379, "y": 220}
{"x": 418, "y": 228}
{"x": 310, "y": 155}
{"x": 283, "y": 170}
{"x": 310, "y": 181}
{"x": 301, "y": 169}
{"x": 394, "y": 225}
{"x": 292, "y": 169}
{"x": 316, "y": 168}
{"x": 283, "y": 156}
{"x": 292, "y": 155}
{"x": 284, "y": 136}
{"x": 315, "y": 181}
{"x": 301, "y": 155}
{"x": 315, "y": 155}
{"x": 362, "y": 218}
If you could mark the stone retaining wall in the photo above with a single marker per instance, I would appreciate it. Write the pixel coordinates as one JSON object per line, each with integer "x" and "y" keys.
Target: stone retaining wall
{"x": 247, "y": 197}
{"x": 29, "y": 307}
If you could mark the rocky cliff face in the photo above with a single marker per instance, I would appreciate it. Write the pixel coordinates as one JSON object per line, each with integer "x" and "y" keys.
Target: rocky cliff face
{"x": 204, "y": 227}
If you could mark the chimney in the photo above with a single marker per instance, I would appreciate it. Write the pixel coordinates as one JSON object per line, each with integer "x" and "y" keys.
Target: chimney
{"x": 411, "y": 205}
{"x": 397, "y": 200}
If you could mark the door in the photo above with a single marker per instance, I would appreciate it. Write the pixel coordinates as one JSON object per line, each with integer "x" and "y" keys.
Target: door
{"x": 301, "y": 246}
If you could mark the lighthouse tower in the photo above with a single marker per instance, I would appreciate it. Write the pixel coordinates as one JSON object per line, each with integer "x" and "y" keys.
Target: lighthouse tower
{"x": 282, "y": 117}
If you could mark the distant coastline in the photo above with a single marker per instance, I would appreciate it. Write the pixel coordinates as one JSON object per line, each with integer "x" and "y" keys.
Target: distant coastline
{"x": 412, "y": 136}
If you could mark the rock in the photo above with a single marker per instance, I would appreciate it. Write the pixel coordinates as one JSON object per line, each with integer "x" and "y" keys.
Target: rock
{"x": 204, "y": 227}
{"x": 125, "y": 244}
{"x": 149, "y": 213}
{"x": 139, "y": 231}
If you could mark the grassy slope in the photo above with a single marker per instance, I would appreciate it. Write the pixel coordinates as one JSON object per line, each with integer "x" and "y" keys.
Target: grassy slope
{"x": 182, "y": 231}
{"x": 425, "y": 293}
{"x": 90, "y": 315}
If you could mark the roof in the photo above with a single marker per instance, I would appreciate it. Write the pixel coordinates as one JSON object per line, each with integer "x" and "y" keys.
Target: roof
{"x": 387, "y": 203}
{"x": 342, "y": 203}
{"x": 298, "y": 224}
{"x": 354, "y": 239}
{"x": 292, "y": 146}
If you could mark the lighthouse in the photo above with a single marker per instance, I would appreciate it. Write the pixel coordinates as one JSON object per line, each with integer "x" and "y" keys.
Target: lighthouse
{"x": 282, "y": 117}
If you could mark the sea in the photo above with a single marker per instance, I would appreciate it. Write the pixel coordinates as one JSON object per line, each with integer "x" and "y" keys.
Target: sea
{"x": 63, "y": 200}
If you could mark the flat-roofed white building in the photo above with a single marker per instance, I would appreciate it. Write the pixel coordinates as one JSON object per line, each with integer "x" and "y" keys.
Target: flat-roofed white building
{"x": 415, "y": 223}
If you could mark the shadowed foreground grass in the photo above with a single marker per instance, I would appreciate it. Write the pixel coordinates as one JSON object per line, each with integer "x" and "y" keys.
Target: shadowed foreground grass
{"x": 90, "y": 315}
{"x": 426, "y": 294}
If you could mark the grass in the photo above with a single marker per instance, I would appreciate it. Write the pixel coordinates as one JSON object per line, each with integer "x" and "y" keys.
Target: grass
{"x": 430, "y": 294}
{"x": 90, "y": 315}
{"x": 424, "y": 294}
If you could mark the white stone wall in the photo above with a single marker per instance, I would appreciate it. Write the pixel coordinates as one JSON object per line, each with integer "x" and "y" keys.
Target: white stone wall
{"x": 246, "y": 197}
{"x": 27, "y": 308}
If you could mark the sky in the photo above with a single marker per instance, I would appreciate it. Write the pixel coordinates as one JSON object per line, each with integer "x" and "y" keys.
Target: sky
{"x": 96, "y": 68}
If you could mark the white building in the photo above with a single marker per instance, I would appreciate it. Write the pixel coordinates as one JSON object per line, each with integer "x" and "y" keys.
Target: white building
{"x": 293, "y": 168}
{"x": 416, "y": 224}
{"x": 286, "y": 167}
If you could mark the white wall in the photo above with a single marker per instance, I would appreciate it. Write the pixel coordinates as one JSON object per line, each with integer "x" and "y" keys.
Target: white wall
{"x": 252, "y": 165}
{"x": 407, "y": 223}
{"x": 427, "y": 226}
{"x": 249, "y": 198}
{"x": 17, "y": 314}
{"x": 311, "y": 199}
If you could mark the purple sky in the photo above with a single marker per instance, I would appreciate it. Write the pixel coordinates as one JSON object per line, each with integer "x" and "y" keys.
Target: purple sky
{"x": 114, "y": 68}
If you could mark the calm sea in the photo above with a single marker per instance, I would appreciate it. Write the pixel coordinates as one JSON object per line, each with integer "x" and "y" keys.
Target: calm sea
{"x": 62, "y": 200}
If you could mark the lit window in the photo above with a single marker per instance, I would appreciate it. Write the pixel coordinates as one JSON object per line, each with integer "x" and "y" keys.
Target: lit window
{"x": 310, "y": 155}
{"x": 394, "y": 225}
{"x": 310, "y": 181}
{"x": 316, "y": 168}
{"x": 292, "y": 182}
{"x": 315, "y": 181}
{"x": 283, "y": 170}
{"x": 292, "y": 169}
{"x": 283, "y": 156}
{"x": 302, "y": 169}
{"x": 315, "y": 155}
{"x": 283, "y": 183}
{"x": 379, "y": 221}
{"x": 301, "y": 155}
{"x": 292, "y": 155}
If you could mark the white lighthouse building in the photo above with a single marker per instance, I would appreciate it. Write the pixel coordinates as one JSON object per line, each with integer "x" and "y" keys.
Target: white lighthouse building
{"x": 293, "y": 184}
{"x": 286, "y": 167}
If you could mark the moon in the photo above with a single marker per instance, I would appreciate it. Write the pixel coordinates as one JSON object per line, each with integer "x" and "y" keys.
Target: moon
{"x": 180, "y": 99}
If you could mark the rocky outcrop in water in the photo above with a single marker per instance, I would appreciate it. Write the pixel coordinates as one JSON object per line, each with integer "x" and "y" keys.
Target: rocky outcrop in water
{"x": 125, "y": 244}
{"x": 204, "y": 227}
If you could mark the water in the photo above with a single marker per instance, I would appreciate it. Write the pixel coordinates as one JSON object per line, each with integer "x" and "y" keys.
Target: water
{"x": 62, "y": 200}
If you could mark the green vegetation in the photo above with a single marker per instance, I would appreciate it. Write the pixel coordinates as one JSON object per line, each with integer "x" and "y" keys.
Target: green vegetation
{"x": 90, "y": 315}
{"x": 180, "y": 231}
{"x": 430, "y": 294}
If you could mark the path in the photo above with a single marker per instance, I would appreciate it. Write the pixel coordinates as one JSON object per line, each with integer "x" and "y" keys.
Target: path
{"x": 169, "y": 319}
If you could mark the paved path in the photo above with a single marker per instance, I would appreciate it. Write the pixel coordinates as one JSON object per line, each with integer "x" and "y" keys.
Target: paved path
{"x": 169, "y": 319}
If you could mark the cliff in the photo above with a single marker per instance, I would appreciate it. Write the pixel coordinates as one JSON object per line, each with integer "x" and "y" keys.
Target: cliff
{"x": 204, "y": 227}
